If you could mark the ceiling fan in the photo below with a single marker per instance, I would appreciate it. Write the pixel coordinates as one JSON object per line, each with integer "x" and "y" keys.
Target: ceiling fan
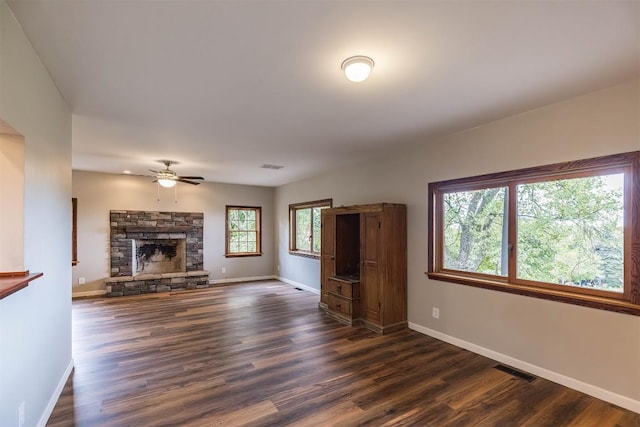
{"x": 168, "y": 178}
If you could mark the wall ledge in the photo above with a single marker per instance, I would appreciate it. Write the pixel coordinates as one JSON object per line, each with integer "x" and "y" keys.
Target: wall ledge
{"x": 11, "y": 283}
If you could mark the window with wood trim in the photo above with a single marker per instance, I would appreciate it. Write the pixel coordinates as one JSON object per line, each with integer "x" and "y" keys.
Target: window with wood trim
{"x": 74, "y": 231}
{"x": 243, "y": 231}
{"x": 567, "y": 232}
{"x": 304, "y": 227}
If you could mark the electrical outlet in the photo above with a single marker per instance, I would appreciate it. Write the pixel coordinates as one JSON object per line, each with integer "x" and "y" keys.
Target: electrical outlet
{"x": 21, "y": 415}
{"x": 224, "y": 270}
{"x": 80, "y": 280}
{"x": 436, "y": 313}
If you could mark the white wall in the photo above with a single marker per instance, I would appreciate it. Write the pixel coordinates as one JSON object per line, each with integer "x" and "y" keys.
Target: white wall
{"x": 593, "y": 350}
{"x": 100, "y": 193}
{"x": 35, "y": 322}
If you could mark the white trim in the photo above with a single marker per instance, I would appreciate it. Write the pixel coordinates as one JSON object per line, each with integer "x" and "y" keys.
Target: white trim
{"x": 89, "y": 293}
{"x": 299, "y": 285}
{"x": 241, "y": 279}
{"x": 592, "y": 390}
{"x": 55, "y": 396}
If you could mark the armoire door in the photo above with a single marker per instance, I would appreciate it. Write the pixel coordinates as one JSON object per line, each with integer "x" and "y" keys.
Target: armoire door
{"x": 328, "y": 253}
{"x": 370, "y": 271}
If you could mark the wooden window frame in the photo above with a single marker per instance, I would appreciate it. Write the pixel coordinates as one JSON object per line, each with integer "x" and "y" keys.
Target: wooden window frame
{"x": 74, "y": 231}
{"x": 627, "y": 302}
{"x": 293, "y": 208}
{"x": 258, "y": 231}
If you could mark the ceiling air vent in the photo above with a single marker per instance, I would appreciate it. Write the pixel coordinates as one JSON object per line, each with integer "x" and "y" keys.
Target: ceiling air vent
{"x": 267, "y": 166}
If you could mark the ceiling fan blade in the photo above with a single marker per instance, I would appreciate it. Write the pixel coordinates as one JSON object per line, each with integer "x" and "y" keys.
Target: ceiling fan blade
{"x": 151, "y": 170}
{"x": 186, "y": 181}
{"x": 191, "y": 177}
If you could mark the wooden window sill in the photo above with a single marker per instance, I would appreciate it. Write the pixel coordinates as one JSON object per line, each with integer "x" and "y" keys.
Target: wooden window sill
{"x": 13, "y": 282}
{"x": 601, "y": 303}
{"x": 242, "y": 255}
{"x": 305, "y": 254}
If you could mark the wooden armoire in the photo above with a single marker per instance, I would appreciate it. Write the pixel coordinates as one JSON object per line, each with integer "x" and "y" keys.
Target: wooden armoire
{"x": 364, "y": 265}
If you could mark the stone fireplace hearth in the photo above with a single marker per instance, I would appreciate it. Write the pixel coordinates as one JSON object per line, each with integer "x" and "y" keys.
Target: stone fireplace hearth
{"x": 156, "y": 252}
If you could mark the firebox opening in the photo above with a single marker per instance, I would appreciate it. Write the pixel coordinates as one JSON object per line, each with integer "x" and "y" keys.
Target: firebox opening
{"x": 159, "y": 256}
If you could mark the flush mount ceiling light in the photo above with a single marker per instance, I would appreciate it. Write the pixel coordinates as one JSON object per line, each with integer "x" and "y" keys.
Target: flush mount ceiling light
{"x": 357, "y": 68}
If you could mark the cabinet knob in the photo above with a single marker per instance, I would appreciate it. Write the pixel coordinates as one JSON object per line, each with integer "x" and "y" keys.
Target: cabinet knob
{"x": 340, "y": 289}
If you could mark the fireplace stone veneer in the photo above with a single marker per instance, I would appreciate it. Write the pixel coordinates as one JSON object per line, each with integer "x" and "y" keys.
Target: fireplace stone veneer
{"x": 128, "y": 227}
{"x": 149, "y": 283}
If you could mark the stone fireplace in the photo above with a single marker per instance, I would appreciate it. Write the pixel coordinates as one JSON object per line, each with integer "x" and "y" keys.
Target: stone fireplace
{"x": 155, "y": 252}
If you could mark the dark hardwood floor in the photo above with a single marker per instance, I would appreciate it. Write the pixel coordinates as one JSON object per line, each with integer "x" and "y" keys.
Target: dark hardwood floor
{"x": 262, "y": 354}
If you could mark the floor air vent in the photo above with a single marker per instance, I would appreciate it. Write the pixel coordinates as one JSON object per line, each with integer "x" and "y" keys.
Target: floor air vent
{"x": 515, "y": 373}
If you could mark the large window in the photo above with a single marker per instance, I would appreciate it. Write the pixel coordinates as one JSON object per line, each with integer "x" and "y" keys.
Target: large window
{"x": 304, "y": 227}
{"x": 243, "y": 231}
{"x": 567, "y": 232}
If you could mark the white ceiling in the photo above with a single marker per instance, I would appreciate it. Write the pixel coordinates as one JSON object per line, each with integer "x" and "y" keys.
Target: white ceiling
{"x": 225, "y": 86}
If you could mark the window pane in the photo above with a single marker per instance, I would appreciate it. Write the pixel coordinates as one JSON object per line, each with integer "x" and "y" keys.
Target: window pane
{"x": 317, "y": 231}
{"x": 303, "y": 229}
{"x": 570, "y": 232}
{"x": 243, "y": 224}
{"x": 474, "y": 236}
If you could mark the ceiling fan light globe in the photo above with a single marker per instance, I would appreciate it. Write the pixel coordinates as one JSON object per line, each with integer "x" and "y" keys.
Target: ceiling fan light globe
{"x": 167, "y": 183}
{"x": 357, "y": 68}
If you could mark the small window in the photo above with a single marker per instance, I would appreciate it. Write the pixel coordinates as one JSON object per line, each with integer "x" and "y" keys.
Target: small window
{"x": 561, "y": 232}
{"x": 74, "y": 231}
{"x": 243, "y": 231}
{"x": 304, "y": 227}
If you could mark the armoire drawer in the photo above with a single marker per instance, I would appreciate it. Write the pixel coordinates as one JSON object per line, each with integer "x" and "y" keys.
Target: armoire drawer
{"x": 340, "y": 305}
{"x": 343, "y": 288}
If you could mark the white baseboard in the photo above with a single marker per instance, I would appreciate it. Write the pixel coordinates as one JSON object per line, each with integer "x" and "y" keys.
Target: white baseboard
{"x": 299, "y": 285}
{"x": 55, "y": 396}
{"x": 241, "y": 279}
{"x": 600, "y": 393}
{"x": 88, "y": 293}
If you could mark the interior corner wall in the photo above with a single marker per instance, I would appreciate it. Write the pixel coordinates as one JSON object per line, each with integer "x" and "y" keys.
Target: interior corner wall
{"x": 592, "y": 350}
{"x": 99, "y": 193}
{"x": 35, "y": 322}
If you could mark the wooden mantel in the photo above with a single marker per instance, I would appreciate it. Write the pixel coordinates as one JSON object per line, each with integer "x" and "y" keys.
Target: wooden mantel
{"x": 11, "y": 282}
